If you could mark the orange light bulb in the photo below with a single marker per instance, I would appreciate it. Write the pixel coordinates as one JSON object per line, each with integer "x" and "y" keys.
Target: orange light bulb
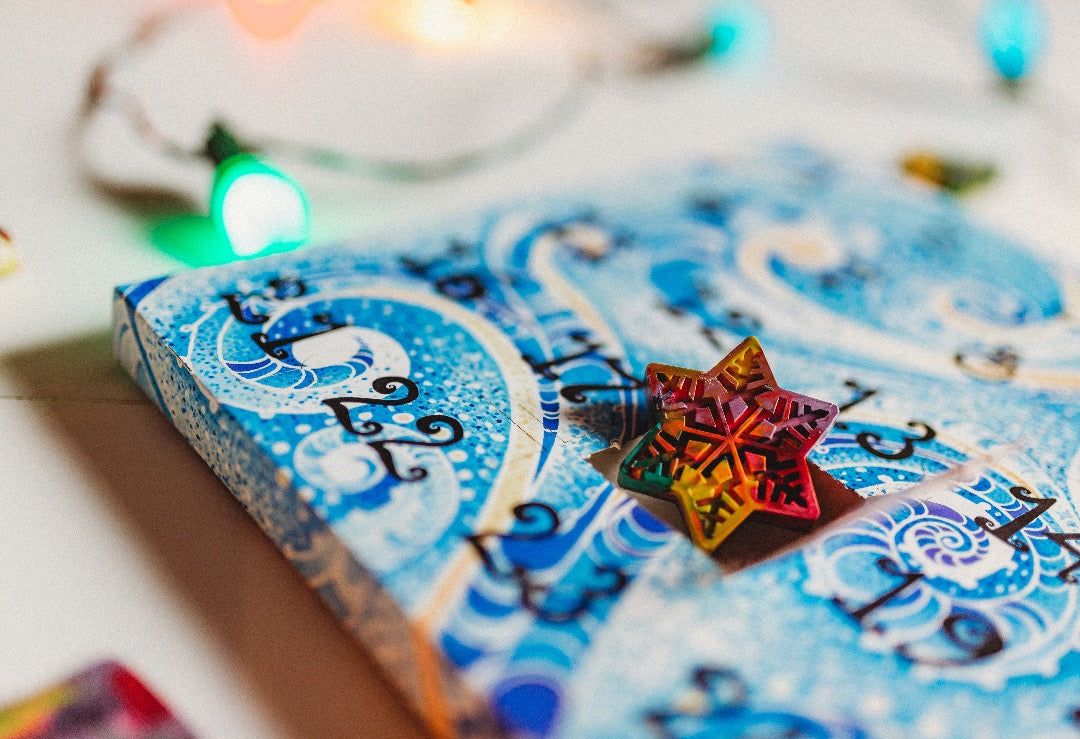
{"x": 270, "y": 19}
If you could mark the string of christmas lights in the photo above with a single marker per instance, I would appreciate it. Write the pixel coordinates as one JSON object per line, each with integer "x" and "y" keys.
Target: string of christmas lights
{"x": 257, "y": 208}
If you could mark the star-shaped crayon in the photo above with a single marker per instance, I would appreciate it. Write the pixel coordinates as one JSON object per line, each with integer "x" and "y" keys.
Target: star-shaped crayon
{"x": 728, "y": 444}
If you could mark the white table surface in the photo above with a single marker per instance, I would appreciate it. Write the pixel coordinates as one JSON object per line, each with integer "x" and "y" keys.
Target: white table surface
{"x": 116, "y": 541}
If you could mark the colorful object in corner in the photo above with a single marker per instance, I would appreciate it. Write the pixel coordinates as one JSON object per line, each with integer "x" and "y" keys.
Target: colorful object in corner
{"x": 8, "y": 259}
{"x": 1013, "y": 35}
{"x": 952, "y": 175}
{"x": 257, "y": 208}
{"x": 729, "y": 443}
{"x": 104, "y": 701}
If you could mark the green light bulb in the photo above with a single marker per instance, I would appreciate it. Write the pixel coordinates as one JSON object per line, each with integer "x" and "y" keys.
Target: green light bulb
{"x": 257, "y": 208}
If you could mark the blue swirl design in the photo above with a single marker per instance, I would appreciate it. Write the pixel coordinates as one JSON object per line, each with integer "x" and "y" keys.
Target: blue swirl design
{"x": 967, "y": 606}
{"x": 917, "y": 252}
{"x": 587, "y": 386}
{"x": 733, "y": 253}
{"x": 946, "y": 537}
{"x": 842, "y": 456}
{"x": 718, "y": 705}
{"x": 941, "y": 592}
{"x": 243, "y": 355}
{"x": 534, "y": 654}
{"x": 466, "y": 277}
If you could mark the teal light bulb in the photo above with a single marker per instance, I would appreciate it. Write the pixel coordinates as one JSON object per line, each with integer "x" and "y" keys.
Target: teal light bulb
{"x": 1013, "y": 35}
{"x": 739, "y": 31}
{"x": 257, "y": 208}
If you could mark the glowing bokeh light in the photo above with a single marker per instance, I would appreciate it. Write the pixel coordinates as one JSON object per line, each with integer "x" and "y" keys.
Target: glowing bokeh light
{"x": 191, "y": 239}
{"x": 444, "y": 22}
{"x": 8, "y": 259}
{"x": 257, "y": 208}
{"x": 270, "y": 19}
{"x": 1014, "y": 35}
{"x": 740, "y": 32}
{"x": 448, "y": 25}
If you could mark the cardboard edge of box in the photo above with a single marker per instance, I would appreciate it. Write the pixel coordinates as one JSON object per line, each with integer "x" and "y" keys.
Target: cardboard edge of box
{"x": 414, "y": 665}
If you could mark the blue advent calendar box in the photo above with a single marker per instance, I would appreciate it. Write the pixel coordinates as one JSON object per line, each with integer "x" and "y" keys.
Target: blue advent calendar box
{"x": 416, "y": 422}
